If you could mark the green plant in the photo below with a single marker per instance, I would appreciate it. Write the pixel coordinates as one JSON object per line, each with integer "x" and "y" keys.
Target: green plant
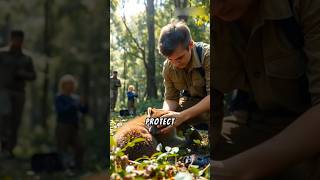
{"x": 166, "y": 163}
{"x": 154, "y": 103}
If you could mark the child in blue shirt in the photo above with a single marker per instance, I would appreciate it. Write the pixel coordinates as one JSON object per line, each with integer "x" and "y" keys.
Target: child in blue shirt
{"x": 68, "y": 107}
{"x": 131, "y": 95}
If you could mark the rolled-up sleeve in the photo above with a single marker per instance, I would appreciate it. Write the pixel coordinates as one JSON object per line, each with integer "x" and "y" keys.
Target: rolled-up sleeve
{"x": 170, "y": 93}
{"x": 309, "y": 11}
{"x": 207, "y": 69}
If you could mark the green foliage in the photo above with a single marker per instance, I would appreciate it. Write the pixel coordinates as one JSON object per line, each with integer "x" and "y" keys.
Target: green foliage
{"x": 115, "y": 123}
{"x": 154, "y": 103}
{"x": 194, "y": 169}
{"x": 133, "y": 143}
{"x": 166, "y": 163}
{"x": 203, "y": 17}
{"x": 78, "y": 46}
{"x": 125, "y": 55}
{"x": 197, "y": 141}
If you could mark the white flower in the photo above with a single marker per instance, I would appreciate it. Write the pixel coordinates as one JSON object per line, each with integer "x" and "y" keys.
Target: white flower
{"x": 167, "y": 148}
{"x": 183, "y": 176}
{"x": 117, "y": 149}
{"x": 159, "y": 147}
{"x": 151, "y": 167}
{"x": 175, "y": 150}
{"x": 155, "y": 165}
{"x": 129, "y": 169}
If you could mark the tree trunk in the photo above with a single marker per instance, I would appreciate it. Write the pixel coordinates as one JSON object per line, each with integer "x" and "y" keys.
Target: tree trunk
{"x": 125, "y": 71}
{"x": 47, "y": 51}
{"x": 6, "y": 30}
{"x": 151, "y": 67}
{"x": 180, "y": 6}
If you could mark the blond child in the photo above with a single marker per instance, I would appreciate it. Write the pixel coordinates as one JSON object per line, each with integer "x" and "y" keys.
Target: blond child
{"x": 68, "y": 106}
{"x": 131, "y": 94}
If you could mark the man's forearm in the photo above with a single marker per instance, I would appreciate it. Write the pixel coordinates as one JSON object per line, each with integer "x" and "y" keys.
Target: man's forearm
{"x": 293, "y": 145}
{"x": 170, "y": 105}
{"x": 199, "y": 108}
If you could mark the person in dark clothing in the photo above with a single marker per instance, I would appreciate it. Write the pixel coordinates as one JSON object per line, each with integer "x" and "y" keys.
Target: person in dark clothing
{"x": 115, "y": 84}
{"x": 270, "y": 49}
{"x": 131, "y": 94}
{"x": 68, "y": 106}
{"x": 15, "y": 69}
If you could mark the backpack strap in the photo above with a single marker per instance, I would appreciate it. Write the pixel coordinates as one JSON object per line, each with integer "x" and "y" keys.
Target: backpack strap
{"x": 199, "y": 49}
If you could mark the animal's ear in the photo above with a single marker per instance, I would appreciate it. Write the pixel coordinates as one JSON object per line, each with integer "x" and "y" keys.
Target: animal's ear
{"x": 158, "y": 112}
{"x": 149, "y": 112}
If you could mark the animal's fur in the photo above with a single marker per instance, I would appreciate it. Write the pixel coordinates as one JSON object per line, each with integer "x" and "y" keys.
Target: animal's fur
{"x": 136, "y": 128}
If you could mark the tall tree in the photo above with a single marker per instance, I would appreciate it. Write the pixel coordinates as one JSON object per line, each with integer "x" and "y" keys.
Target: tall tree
{"x": 151, "y": 65}
{"x": 130, "y": 41}
{"x": 180, "y": 7}
{"x": 47, "y": 51}
{"x": 149, "y": 61}
{"x": 5, "y": 30}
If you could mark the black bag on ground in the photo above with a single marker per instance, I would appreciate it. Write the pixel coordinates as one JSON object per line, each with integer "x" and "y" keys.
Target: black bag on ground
{"x": 124, "y": 112}
{"x": 47, "y": 162}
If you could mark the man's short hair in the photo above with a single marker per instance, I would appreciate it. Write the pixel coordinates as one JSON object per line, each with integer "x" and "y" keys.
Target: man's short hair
{"x": 172, "y": 35}
{"x": 17, "y": 34}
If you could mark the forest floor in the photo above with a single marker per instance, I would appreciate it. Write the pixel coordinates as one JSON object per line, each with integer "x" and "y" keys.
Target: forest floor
{"x": 19, "y": 169}
{"x": 40, "y": 141}
{"x": 167, "y": 163}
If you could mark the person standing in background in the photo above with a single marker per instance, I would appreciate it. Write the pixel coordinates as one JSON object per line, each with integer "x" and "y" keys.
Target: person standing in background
{"x": 115, "y": 83}
{"x": 68, "y": 106}
{"x": 16, "y": 68}
{"x": 131, "y": 94}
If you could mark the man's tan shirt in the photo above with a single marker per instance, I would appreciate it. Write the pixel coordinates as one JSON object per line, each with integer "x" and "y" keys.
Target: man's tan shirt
{"x": 266, "y": 63}
{"x": 189, "y": 78}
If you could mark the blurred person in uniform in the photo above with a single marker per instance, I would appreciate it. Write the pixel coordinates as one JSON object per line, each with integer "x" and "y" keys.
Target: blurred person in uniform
{"x": 16, "y": 68}
{"x": 114, "y": 85}
{"x": 68, "y": 106}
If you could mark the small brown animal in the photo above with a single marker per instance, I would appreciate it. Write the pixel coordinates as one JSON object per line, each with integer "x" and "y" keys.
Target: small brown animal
{"x": 136, "y": 128}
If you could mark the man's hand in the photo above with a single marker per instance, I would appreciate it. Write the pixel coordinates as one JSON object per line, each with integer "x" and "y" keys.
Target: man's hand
{"x": 179, "y": 119}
